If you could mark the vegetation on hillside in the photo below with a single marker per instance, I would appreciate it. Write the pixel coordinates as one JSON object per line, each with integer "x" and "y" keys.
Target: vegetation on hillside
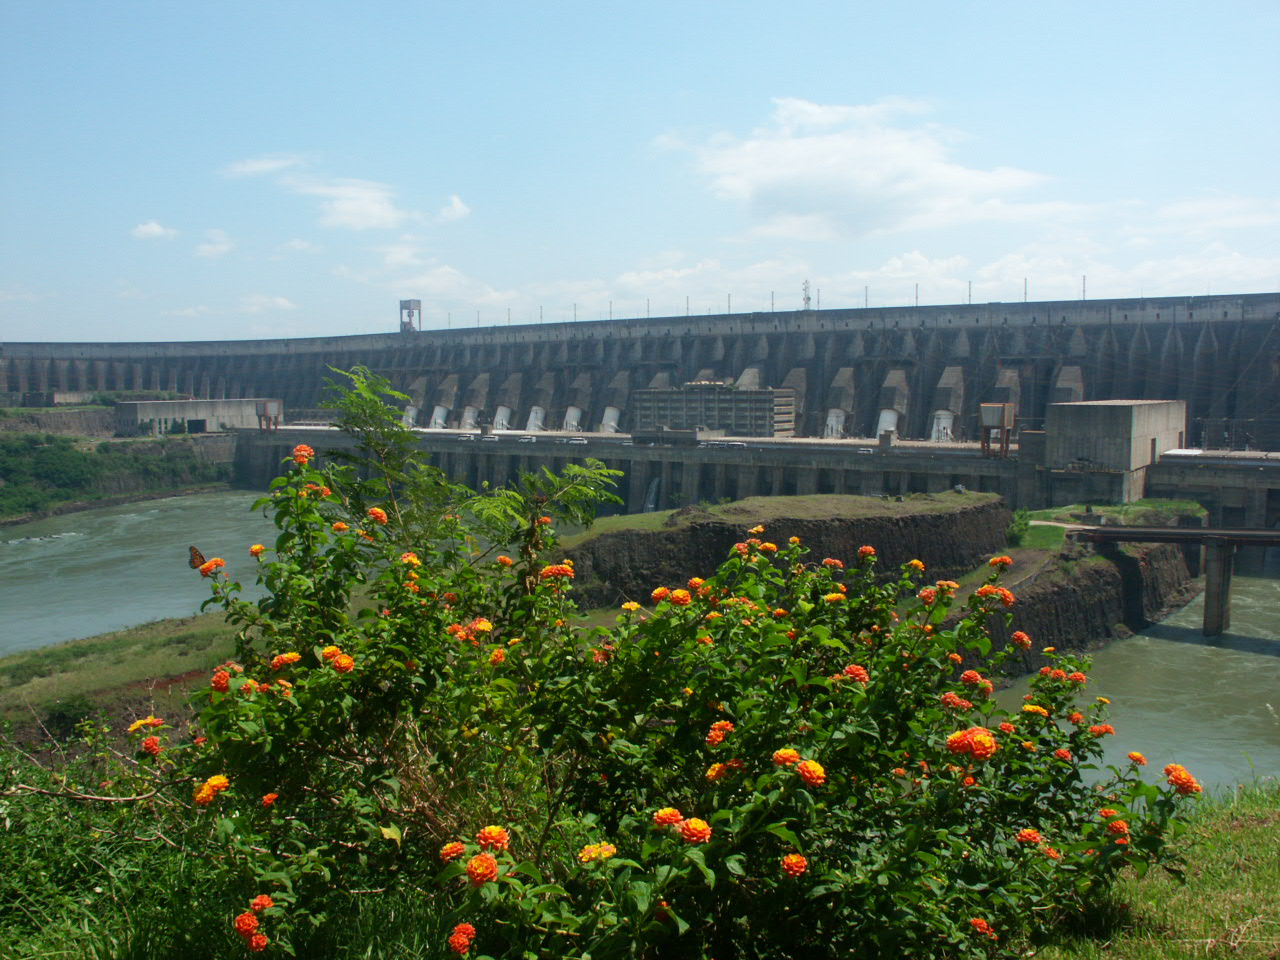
{"x": 776, "y": 760}
{"x": 39, "y": 471}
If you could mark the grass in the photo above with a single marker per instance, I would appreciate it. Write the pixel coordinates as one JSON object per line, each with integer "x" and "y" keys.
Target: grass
{"x": 1040, "y": 537}
{"x": 1228, "y": 907}
{"x": 113, "y": 667}
{"x": 1139, "y": 513}
{"x": 763, "y": 510}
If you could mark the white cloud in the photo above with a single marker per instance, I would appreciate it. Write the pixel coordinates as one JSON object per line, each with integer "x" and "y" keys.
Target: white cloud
{"x": 455, "y": 209}
{"x": 818, "y": 172}
{"x": 256, "y": 166}
{"x": 261, "y": 303}
{"x": 197, "y": 311}
{"x": 297, "y": 246}
{"x": 351, "y": 203}
{"x": 216, "y": 244}
{"x": 151, "y": 230}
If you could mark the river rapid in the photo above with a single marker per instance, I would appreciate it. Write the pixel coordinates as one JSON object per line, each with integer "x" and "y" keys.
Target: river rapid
{"x": 1212, "y": 705}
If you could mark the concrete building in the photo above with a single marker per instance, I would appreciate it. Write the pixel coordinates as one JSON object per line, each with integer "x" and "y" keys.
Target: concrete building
{"x": 716, "y": 405}
{"x": 1088, "y": 441}
{"x": 160, "y": 417}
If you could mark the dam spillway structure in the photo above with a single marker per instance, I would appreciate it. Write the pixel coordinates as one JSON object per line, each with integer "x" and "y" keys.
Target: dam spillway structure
{"x": 918, "y": 372}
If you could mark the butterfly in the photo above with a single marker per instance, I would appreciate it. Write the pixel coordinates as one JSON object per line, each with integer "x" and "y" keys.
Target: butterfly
{"x": 197, "y": 559}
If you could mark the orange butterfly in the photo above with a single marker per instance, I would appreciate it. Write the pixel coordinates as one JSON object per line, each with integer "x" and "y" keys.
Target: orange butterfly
{"x": 197, "y": 559}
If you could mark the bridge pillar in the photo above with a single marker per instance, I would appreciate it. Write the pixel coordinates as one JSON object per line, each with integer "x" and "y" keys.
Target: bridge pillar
{"x": 1218, "y": 555}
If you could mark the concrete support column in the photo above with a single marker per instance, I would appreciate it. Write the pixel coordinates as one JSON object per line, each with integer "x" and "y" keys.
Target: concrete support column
{"x": 1218, "y": 554}
{"x": 637, "y": 485}
{"x": 747, "y": 486}
{"x": 664, "y": 490}
{"x": 720, "y": 482}
{"x": 690, "y": 472}
{"x": 777, "y": 481}
{"x": 807, "y": 481}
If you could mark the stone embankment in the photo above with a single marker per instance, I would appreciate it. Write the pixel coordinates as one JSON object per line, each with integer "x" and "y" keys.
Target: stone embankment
{"x": 1083, "y": 599}
{"x": 97, "y": 422}
{"x": 1079, "y": 600}
{"x": 627, "y": 565}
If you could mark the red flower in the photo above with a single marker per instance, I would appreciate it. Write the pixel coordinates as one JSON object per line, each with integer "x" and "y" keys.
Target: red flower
{"x": 481, "y": 869}
{"x": 151, "y": 745}
{"x": 660, "y": 594}
{"x": 221, "y": 681}
{"x": 667, "y": 816}
{"x": 695, "y": 831}
{"x": 865, "y": 552}
{"x": 1020, "y": 639}
{"x": 1181, "y": 780}
{"x": 857, "y": 673}
{"x": 207, "y": 568}
{"x": 246, "y": 924}
{"x": 378, "y": 516}
{"x": 269, "y": 799}
{"x": 811, "y": 772}
{"x": 261, "y": 902}
{"x": 493, "y": 838}
{"x": 302, "y": 453}
{"x": 257, "y": 943}
{"x": 1138, "y": 758}
{"x": 1000, "y": 562}
{"x": 793, "y": 865}
{"x": 452, "y": 851}
{"x": 971, "y": 678}
{"x": 1062, "y": 753}
{"x": 505, "y": 561}
{"x": 343, "y": 663}
{"x": 460, "y": 939}
{"x": 833, "y": 563}
{"x": 680, "y": 598}
{"x": 1028, "y": 836}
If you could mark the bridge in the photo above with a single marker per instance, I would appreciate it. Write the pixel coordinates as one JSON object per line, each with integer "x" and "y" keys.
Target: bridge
{"x": 1219, "y": 552}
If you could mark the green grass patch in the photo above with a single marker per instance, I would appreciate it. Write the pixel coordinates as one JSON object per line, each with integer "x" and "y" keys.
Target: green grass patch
{"x": 101, "y": 669}
{"x": 1043, "y": 538}
{"x": 1228, "y": 907}
{"x": 1139, "y": 513}
{"x": 764, "y": 510}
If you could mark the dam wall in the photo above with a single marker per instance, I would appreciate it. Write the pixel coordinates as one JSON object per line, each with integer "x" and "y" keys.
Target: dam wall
{"x": 926, "y": 368}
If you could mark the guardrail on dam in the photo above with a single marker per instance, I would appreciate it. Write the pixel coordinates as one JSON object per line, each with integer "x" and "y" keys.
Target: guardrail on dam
{"x": 1220, "y": 354}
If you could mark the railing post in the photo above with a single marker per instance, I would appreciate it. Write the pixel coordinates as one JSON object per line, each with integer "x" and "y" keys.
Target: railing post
{"x": 1218, "y": 554}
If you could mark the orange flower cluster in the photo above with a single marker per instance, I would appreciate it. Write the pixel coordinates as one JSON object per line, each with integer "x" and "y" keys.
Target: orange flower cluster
{"x": 1035, "y": 708}
{"x": 916, "y": 565}
{"x": 596, "y": 851}
{"x": 989, "y": 590}
{"x": 717, "y": 771}
{"x": 151, "y": 746}
{"x": 340, "y": 527}
{"x": 1000, "y": 563}
{"x": 680, "y": 598}
{"x": 833, "y": 563}
{"x": 482, "y": 868}
{"x": 1028, "y": 836}
{"x": 977, "y": 742}
{"x": 498, "y": 656}
{"x": 855, "y": 672}
{"x": 557, "y": 570}
{"x": 460, "y": 939}
{"x": 660, "y": 594}
{"x": 269, "y": 799}
{"x": 206, "y": 792}
{"x": 833, "y": 597}
{"x": 717, "y": 732}
{"x": 302, "y": 453}
{"x": 493, "y": 838}
{"x": 261, "y": 902}
{"x": 811, "y": 772}
{"x": 257, "y": 550}
{"x": 982, "y": 927}
{"x": 209, "y": 566}
{"x": 1021, "y": 640}
{"x": 956, "y": 702}
{"x": 1180, "y": 779}
{"x": 1118, "y": 828}
{"x": 282, "y": 660}
{"x": 667, "y": 817}
{"x": 378, "y": 516}
{"x": 452, "y": 851}
{"x": 866, "y": 552}
{"x": 1101, "y": 729}
{"x": 927, "y": 596}
{"x": 785, "y": 757}
{"x": 148, "y": 721}
{"x": 410, "y": 558}
{"x": 1138, "y": 758}
{"x": 340, "y": 661}
{"x": 1062, "y": 753}
{"x": 793, "y": 864}
{"x": 971, "y": 678}
{"x": 504, "y": 560}
{"x": 694, "y": 830}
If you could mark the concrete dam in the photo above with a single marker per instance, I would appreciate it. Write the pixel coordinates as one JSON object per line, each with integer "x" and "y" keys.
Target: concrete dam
{"x": 921, "y": 372}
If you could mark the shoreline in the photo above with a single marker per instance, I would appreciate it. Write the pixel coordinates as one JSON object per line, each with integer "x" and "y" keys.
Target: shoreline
{"x": 80, "y": 506}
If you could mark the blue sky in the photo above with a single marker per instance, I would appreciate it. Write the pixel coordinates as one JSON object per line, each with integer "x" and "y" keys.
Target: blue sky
{"x": 191, "y": 171}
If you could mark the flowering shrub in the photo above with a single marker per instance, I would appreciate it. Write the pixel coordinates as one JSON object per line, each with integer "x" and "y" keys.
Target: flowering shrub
{"x": 778, "y": 761}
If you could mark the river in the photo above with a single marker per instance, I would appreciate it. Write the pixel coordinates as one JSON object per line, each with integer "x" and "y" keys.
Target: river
{"x": 87, "y": 573}
{"x": 1212, "y": 705}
